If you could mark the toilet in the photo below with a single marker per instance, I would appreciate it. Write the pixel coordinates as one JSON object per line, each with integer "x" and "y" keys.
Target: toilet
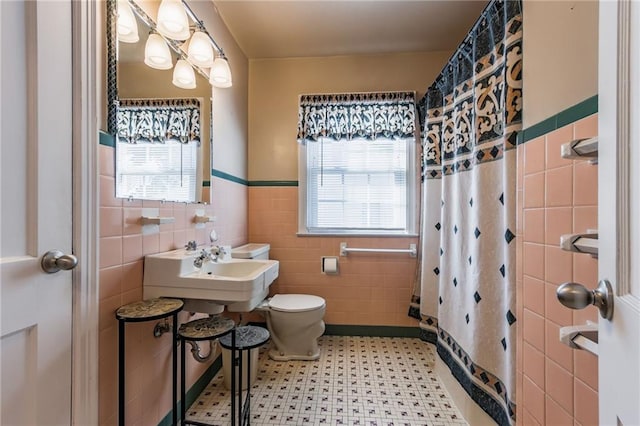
{"x": 295, "y": 321}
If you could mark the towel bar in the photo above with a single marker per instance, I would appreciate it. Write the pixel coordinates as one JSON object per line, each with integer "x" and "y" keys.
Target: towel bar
{"x": 344, "y": 250}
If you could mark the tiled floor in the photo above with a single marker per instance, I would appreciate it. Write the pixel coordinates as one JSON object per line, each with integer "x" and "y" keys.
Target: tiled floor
{"x": 356, "y": 381}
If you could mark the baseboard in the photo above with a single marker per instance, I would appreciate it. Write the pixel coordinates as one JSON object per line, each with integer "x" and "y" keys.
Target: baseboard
{"x": 371, "y": 330}
{"x": 196, "y": 389}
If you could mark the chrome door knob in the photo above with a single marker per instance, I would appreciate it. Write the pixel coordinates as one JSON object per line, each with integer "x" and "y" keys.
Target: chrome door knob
{"x": 55, "y": 260}
{"x": 576, "y": 296}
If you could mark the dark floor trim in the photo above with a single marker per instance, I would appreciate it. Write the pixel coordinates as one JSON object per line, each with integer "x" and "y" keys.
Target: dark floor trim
{"x": 371, "y": 330}
{"x": 196, "y": 389}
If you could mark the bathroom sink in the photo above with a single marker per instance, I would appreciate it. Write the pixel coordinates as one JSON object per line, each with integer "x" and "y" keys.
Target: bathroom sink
{"x": 238, "y": 284}
{"x": 233, "y": 269}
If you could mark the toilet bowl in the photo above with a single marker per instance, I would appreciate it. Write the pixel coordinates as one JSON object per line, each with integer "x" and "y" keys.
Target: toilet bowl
{"x": 295, "y": 322}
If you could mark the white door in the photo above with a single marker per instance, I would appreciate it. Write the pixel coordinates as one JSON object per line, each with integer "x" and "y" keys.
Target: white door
{"x": 36, "y": 209}
{"x": 619, "y": 210}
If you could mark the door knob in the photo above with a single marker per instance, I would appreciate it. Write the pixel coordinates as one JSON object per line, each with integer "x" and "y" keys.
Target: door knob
{"x": 576, "y": 296}
{"x": 55, "y": 260}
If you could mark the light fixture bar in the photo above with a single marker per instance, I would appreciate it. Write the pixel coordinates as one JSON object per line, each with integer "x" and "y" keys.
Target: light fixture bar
{"x": 200, "y": 24}
{"x": 173, "y": 44}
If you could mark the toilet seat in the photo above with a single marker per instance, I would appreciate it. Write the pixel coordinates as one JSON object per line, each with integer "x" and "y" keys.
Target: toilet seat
{"x": 295, "y": 302}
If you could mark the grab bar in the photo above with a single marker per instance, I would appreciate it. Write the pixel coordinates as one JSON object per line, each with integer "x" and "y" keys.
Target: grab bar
{"x": 344, "y": 250}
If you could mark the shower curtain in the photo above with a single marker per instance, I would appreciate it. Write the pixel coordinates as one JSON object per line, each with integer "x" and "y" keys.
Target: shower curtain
{"x": 470, "y": 119}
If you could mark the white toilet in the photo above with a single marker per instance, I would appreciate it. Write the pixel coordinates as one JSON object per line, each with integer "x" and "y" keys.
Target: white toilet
{"x": 295, "y": 321}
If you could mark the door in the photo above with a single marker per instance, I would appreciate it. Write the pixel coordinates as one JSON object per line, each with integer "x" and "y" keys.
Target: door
{"x": 619, "y": 210}
{"x": 36, "y": 209}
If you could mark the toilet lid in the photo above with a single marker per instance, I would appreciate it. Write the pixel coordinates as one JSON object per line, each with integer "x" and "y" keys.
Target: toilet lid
{"x": 295, "y": 302}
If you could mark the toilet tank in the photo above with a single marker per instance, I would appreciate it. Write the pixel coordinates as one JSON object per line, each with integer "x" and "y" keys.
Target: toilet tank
{"x": 251, "y": 251}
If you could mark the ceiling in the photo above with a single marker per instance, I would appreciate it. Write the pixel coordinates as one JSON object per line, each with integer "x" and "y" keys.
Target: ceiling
{"x": 304, "y": 28}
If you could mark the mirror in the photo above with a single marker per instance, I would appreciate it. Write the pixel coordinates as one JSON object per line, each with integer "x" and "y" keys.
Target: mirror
{"x": 150, "y": 168}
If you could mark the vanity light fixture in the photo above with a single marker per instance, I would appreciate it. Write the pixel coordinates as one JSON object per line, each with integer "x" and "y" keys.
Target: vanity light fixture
{"x": 200, "y": 51}
{"x": 220, "y": 73}
{"x": 183, "y": 75}
{"x": 156, "y": 53}
{"x": 127, "y": 24}
{"x": 172, "y": 20}
{"x": 171, "y": 28}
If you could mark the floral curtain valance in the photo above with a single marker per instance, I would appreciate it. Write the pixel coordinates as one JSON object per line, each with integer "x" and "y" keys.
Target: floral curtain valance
{"x": 158, "y": 120}
{"x": 356, "y": 115}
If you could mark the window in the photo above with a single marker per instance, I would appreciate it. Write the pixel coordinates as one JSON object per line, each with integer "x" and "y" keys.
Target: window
{"x": 357, "y": 165}
{"x": 157, "y": 171}
{"x": 358, "y": 187}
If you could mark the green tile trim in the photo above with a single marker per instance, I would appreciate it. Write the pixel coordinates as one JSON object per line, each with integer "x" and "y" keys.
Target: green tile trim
{"x": 570, "y": 115}
{"x": 196, "y": 389}
{"x": 578, "y": 111}
{"x": 206, "y": 183}
{"x": 539, "y": 129}
{"x": 106, "y": 139}
{"x": 273, "y": 183}
{"x": 227, "y": 176}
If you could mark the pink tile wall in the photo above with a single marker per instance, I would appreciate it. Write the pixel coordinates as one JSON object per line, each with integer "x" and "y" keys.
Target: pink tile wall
{"x": 556, "y": 385}
{"x": 122, "y": 251}
{"x": 370, "y": 289}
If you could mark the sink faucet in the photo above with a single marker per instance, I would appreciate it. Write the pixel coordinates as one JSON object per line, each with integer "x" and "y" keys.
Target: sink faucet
{"x": 191, "y": 245}
{"x": 203, "y": 257}
{"x": 219, "y": 252}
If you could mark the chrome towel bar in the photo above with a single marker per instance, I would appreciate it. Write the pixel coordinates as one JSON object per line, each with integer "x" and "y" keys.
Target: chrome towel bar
{"x": 344, "y": 250}
{"x": 581, "y": 149}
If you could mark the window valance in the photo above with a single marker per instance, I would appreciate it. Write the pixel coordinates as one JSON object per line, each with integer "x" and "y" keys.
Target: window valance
{"x": 158, "y": 120}
{"x": 356, "y": 115}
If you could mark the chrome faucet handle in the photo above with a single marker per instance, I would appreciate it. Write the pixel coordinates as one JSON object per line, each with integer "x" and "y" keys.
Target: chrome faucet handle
{"x": 202, "y": 257}
{"x": 191, "y": 245}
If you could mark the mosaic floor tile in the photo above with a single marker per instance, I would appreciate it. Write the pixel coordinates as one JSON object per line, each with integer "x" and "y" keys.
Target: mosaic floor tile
{"x": 373, "y": 381}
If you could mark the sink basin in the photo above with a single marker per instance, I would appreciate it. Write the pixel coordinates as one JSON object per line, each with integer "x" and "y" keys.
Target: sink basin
{"x": 238, "y": 284}
{"x": 235, "y": 269}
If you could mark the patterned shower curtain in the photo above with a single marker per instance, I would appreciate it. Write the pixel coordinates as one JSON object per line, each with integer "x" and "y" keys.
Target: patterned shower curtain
{"x": 470, "y": 118}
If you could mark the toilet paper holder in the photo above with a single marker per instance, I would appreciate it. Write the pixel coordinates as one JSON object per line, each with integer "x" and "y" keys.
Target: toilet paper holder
{"x": 329, "y": 265}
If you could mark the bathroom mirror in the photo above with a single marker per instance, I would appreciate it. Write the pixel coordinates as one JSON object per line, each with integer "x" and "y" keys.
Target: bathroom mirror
{"x": 148, "y": 168}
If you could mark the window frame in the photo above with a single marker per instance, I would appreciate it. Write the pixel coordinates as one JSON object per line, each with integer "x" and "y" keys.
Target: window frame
{"x": 412, "y": 198}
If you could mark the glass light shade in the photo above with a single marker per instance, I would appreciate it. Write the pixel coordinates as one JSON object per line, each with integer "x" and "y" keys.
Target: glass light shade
{"x": 127, "y": 24}
{"x": 156, "y": 53}
{"x": 220, "y": 74}
{"x": 172, "y": 20}
{"x": 183, "y": 75}
{"x": 200, "y": 50}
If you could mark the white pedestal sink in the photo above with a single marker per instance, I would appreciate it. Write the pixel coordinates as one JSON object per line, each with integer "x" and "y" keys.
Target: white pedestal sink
{"x": 238, "y": 284}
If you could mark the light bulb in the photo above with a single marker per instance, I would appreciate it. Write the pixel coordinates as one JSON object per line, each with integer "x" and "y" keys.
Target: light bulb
{"x": 172, "y": 20}
{"x": 200, "y": 51}
{"x": 156, "y": 53}
{"x": 220, "y": 74}
{"x": 126, "y": 24}
{"x": 183, "y": 75}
